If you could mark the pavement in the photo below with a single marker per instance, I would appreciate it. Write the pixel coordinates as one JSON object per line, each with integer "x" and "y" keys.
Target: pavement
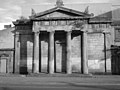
{"x": 57, "y": 81}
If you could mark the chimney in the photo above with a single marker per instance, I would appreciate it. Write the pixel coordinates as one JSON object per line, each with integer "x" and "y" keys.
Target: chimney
{"x": 7, "y": 26}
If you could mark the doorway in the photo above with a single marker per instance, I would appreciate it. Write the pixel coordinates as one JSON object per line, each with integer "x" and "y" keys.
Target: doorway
{"x": 4, "y": 63}
{"x": 3, "y": 66}
{"x": 60, "y": 52}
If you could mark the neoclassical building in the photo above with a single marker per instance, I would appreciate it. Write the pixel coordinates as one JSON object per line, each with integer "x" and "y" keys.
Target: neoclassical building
{"x": 62, "y": 40}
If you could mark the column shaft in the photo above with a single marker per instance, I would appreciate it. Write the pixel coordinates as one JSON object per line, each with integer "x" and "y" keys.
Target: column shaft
{"x": 84, "y": 56}
{"x": 55, "y": 65}
{"x": 36, "y": 53}
{"x": 68, "y": 53}
{"x": 40, "y": 62}
{"x": 17, "y": 54}
{"x": 51, "y": 53}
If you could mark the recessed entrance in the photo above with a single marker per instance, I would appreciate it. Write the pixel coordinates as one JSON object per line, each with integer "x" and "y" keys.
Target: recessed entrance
{"x": 60, "y": 51}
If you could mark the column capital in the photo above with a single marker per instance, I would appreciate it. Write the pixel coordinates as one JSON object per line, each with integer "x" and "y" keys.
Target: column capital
{"x": 85, "y": 32}
{"x": 36, "y": 27}
{"x": 85, "y": 28}
{"x": 70, "y": 31}
{"x": 37, "y": 33}
{"x": 51, "y": 31}
{"x": 17, "y": 34}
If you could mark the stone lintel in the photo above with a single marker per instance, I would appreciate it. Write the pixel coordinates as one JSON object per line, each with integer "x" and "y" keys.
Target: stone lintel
{"x": 51, "y": 28}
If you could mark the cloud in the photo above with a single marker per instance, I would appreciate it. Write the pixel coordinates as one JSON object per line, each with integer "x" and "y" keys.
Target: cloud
{"x": 9, "y": 11}
{"x": 99, "y": 1}
{"x": 2, "y": 9}
{"x": 116, "y": 2}
{"x": 12, "y": 9}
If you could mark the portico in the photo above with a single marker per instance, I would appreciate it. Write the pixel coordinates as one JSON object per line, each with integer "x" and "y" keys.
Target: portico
{"x": 52, "y": 30}
{"x": 50, "y": 35}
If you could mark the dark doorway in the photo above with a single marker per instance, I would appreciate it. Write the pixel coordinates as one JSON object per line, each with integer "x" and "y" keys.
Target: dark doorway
{"x": 115, "y": 60}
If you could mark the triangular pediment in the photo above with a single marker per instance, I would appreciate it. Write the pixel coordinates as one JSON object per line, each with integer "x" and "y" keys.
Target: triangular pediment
{"x": 59, "y": 12}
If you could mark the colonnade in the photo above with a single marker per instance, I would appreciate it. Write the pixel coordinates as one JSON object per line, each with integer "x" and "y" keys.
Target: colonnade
{"x": 84, "y": 61}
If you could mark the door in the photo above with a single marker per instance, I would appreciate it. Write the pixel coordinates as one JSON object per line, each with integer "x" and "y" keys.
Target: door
{"x": 115, "y": 60}
{"x": 3, "y": 67}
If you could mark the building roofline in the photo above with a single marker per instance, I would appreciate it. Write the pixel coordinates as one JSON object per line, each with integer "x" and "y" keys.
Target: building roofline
{"x": 56, "y": 9}
{"x": 7, "y": 49}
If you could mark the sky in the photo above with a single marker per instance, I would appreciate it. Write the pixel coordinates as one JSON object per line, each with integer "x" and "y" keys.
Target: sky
{"x": 10, "y": 10}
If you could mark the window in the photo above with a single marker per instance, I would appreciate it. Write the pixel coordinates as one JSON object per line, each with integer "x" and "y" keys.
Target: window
{"x": 117, "y": 34}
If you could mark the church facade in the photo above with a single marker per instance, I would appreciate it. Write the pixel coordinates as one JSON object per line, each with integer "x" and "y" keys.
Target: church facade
{"x": 62, "y": 40}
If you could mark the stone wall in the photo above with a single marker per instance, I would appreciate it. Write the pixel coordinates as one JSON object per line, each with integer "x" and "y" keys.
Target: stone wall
{"x": 95, "y": 46}
{"x": 96, "y": 53}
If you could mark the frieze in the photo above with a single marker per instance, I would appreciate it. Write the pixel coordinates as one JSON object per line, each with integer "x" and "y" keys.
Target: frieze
{"x": 57, "y": 28}
{"x": 22, "y": 27}
{"x": 97, "y": 26}
{"x": 60, "y": 22}
{"x": 58, "y": 25}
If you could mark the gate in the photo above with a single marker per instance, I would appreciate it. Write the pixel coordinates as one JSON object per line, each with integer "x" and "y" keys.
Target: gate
{"x": 115, "y": 60}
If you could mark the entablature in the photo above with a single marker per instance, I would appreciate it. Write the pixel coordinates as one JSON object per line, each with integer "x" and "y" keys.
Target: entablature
{"x": 66, "y": 25}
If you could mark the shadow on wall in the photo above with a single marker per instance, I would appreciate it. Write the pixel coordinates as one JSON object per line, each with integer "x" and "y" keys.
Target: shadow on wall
{"x": 98, "y": 66}
{"x": 25, "y": 52}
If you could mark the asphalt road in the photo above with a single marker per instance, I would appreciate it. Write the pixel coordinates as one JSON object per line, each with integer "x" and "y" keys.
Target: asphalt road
{"x": 71, "y": 86}
{"x": 60, "y": 83}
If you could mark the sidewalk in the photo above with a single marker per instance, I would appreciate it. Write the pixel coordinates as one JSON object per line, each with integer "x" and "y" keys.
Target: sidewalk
{"x": 59, "y": 79}
{"x": 61, "y": 75}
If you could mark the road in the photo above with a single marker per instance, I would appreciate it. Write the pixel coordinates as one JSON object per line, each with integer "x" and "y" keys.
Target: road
{"x": 60, "y": 83}
{"x": 70, "y": 86}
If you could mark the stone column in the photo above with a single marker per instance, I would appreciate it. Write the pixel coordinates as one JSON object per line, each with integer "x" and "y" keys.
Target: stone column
{"x": 36, "y": 53}
{"x": 84, "y": 56}
{"x": 68, "y": 54}
{"x": 55, "y": 65}
{"x": 17, "y": 53}
{"x": 40, "y": 62}
{"x": 51, "y": 53}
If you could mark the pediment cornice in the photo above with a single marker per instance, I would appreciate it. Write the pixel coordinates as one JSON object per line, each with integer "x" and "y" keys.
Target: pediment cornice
{"x": 62, "y": 9}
